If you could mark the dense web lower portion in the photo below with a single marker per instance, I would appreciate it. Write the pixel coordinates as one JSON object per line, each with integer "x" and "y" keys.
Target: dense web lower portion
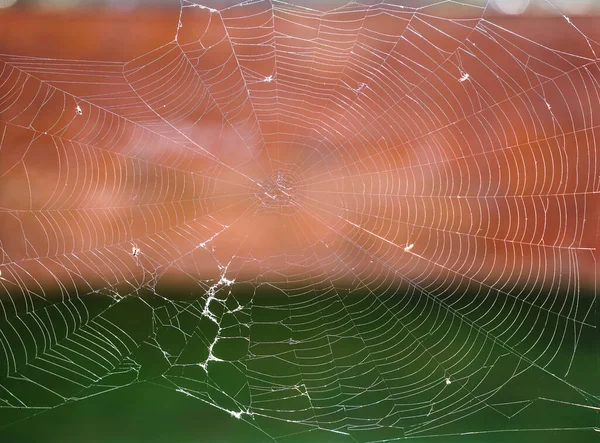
{"x": 381, "y": 216}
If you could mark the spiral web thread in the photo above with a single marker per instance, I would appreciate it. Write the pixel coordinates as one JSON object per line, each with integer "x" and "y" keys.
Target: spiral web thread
{"x": 435, "y": 171}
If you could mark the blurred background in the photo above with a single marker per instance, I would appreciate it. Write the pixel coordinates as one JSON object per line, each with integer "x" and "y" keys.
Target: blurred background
{"x": 502, "y": 6}
{"x": 35, "y": 32}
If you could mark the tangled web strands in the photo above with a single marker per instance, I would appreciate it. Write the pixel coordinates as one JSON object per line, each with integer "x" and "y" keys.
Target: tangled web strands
{"x": 385, "y": 214}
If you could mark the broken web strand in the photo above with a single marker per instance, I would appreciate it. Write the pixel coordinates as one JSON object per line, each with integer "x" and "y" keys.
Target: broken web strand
{"x": 73, "y": 312}
{"x": 460, "y": 405}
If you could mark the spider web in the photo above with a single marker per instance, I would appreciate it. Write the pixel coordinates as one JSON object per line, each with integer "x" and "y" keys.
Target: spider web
{"x": 380, "y": 217}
